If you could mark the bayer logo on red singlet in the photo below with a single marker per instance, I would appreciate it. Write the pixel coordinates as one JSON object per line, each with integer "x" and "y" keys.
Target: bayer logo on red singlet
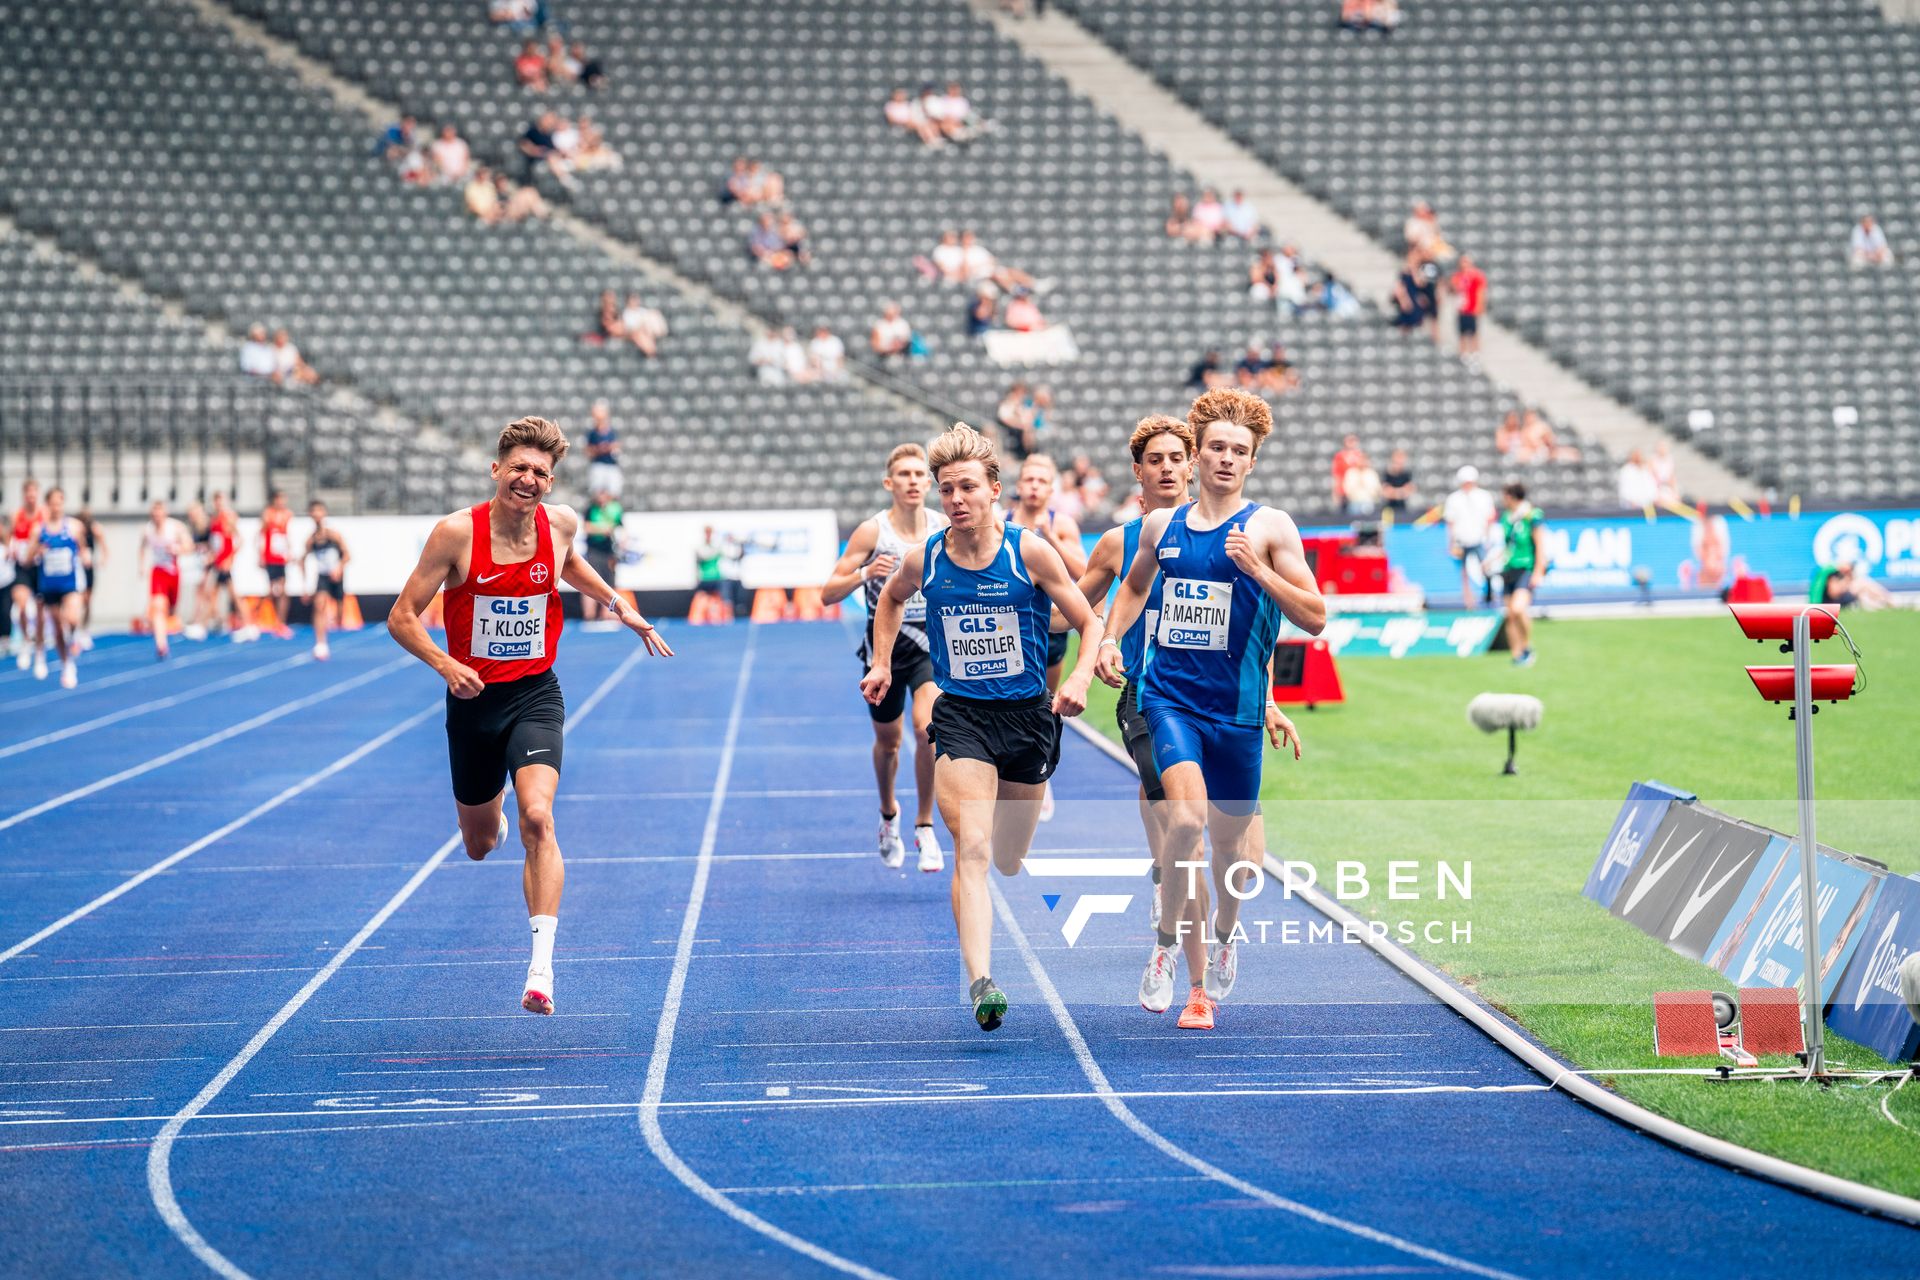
{"x": 538, "y": 572}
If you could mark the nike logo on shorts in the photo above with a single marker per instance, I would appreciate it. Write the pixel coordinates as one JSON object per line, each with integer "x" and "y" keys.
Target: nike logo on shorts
{"x": 486, "y": 578}
{"x": 541, "y": 751}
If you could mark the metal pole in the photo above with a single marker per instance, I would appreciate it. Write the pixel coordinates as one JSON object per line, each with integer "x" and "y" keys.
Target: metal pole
{"x": 1809, "y": 864}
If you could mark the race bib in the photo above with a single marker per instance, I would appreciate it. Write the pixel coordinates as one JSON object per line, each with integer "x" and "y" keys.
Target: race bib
{"x": 57, "y": 562}
{"x": 916, "y": 608}
{"x": 328, "y": 559}
{"x": 1194, "y": 614}
{"x": 277, "y": 543}
{"x": 984, "y": 646}
{"x": 509, "y": 628}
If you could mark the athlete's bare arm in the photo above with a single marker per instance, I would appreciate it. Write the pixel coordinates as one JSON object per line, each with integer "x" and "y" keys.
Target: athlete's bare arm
{"x": 1064, "y": 532}
{"x": 443, "y": 563}
{"x": 1132, "y": 597}
{"x": 582, "y": 577}
{"x": 1049, "y": 573}
{"x": 1280, "y": 730}
{"x": 1269, "y": 551}
{"x": 887, "y": 614}
{"x": 1103, "y": 566}
{"x": 340, "y": 544}
{"x": 852, "y": 568}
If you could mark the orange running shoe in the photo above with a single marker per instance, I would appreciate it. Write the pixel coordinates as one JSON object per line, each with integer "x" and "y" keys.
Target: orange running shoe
{"x": 1198, "y": 1015}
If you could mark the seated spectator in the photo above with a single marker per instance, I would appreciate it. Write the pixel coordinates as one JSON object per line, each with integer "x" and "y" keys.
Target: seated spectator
{"x": 951, "y": 112}
{"x": 1868, "y": 246}
{"x": 536, "y": 146}
{"x": 753, "y": 183}
{"x": 1539, "y": 443}
{"x": 948, "y": 259}
{"x": 793, "y": 237}
{"x": 1263, "y": 277}
{"x": 1290, "y": 279}
{"x": 1207, "y": 373}
{"x": 1280, "y": 376}
{"x": 645, "y": 325}
{"x": 1661, "y": 464}
{"x": 566, "y": 151}
{"x": 521, "y": 16}
{"x": 560, "y": 69}
{"x": 903, "y": 112}
{"x": 1085, "y": 480}
{"x": 1241, "y": 218}
{"x": 395, "y": 140}
{"x": 517, "y": 204}
{"x": 765, "y": 244}
{"x": 1209, "y": 217}
{"x": 1422, "y": 232}
{"x": 608, "y": 327}
{"x": 1015, "y": 417}
{"x": 288, "y": 367}
{"x": 1397, "y": 488}
{"x": 1637, "y": 487}
{"x": 827, "y": 355}
{"x": 978, "y": 263}
{"x": 1360, "y": 488}
{"x": 1354, "y": 14}
{"x": 892, "y": 336}
{"x": 1335, "y": 298}
{"x": 451, "y": 157}
{"x": 1131, "y": 508}
{"x": 530, "y": 68}
{"x": 592, "y": 151}
{"x": 414, "y": 169}
{"x": 587, "y": 68}
{"x": 982, "y": 311}
{"x": 1350, "y": 455}
{"x": 256, "y": 353}
{"x": 1847, "y": 586}
{"x": 482, "y": 197}
{"x": 1179, "y": 224}
{"x": 1410, "y": 294}
{"x": 603, "y": 453}
{"x": 1023, "y": 313}
{"x": 768, "y": 356}
{"x": 794, "y": 358}
{"x": 1507, "y": 436}
{"x": 1250, "y": 368}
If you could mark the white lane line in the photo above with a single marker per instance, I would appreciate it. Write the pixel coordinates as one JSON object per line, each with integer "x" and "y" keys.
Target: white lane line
{"x": 220, "y": 833}
{"x": 361, "y": 1093}
{"x": 93, "y": 1062}
{"x": 670, "y": 1014}
{"x": 835, "y": 1044}
{"x": 970, "y": 1184}
{"x": 160, "y": 1154}
{"x": 1120, "y": 1111}
{"x": 14, "y": 1084}
{"x": 1291, "y": 1035}
{"x": 477, "y": 1017}
{"x": 122, "y": 1026}
{"x": 157, "y": 704}
{"x": 142, "y": 671}
{"x": 201, "y": 744}
{"x": 444, "y": 1071}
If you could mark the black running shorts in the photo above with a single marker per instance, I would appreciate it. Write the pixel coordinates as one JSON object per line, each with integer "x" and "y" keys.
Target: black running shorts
{"x": 506, "y": 727}
{"x": 1019, "y": 738}
{"x": 335, "y": 587}
{"x": 912, "y": 667}
{"x": 1138, "y": 737}
{"x": 275, "y": 572}
{"x": 1056, "y": 648}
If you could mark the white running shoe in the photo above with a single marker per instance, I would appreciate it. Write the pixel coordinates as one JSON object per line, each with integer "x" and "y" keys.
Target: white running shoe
{"x": 69, "y": 674}
{"x": 39, "y": 663}
{"x": 538, "y": 996}
{"x": 23, "y": 658}
{"x": 1046, "y": 803}
{"x": 1223, "y": 966}
{"x": 1156, "y": 984}
{"x": 246, "y": 634}
{"x": 931, "y": 859}
{"x": 893, "y": 852}
{"x": 194, "y": 631}
{"x": 85, "y": 641}
{"x": 321, "y": 653}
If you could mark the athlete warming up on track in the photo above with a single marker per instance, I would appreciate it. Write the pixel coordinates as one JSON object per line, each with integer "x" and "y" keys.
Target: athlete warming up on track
{"x": 164, "y": 542}
{"x": 23, "y": 537}
{"x": 223, "y": 546}
{"x": 276, "y": 546}
{"x": 1162, "y": 449}
{"x": 1229, "y": 570}
{"x": 329, "y": 554}
{"x": 61, "y": 561}
{"x": 875, "y": 550}
{"x": 990, "y": 592}
{"x": 1033, "y": 510}
{"x": 501, "y": 563}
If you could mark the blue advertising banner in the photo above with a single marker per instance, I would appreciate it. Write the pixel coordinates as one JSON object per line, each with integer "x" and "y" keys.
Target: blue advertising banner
{"x": 1600, "y": 556}
{"x": 1759, "y": 942}
{"x": 1639, "y": 818}
{"x": 1867, "y": 1005}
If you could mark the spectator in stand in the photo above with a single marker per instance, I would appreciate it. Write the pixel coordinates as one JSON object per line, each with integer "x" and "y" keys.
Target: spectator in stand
{"x": 1868, "y": 245}
{"x": 1240, "y": 217}
{"x": 608, "y": 327}
{"x": 1397, "y": 487}
{"x": 561, "y": 71}
{"x": 892, "y": 336}
{"x": 980, "y": 264}
{"x": 396, "y": 140}
{"x": 1469, "y": 516}
{"x": 256, "y": 353}
{"x": 1360, "y": 487}
{"x": 1209, "y": 217}
{"x": 1350, "y": 455}
{"x": 794, "y": 360}
{"x": 752, "y": 183}
{"x": 645, "y": 325}
{"x": 1637, "y": 488}
{"x": 588, "y": 70}
{"x": 951, "y": 112}
{"x": 1290, "y": 280}
{"x": 1370, "y": 15}
{"x": 530, "y": 68}
{"x": 482, "y": 197}
{"x": 1085, "y": 480}
{"x": 517, "y": 204}
{"x": 536, "y": 145}
{"x": 827, "y": 355}
{"x": 566, "y": 151}
{"x": 1849, "y": 587}
{"x": 982, "y": 311}
{"x": 603, "y": 454}
{"x": 1661, "y": 464}
{"x": 766, "y": 246}
{"x": 1507, "y": 437}
{"x": 1016, "y": 417}
{"x": 523, "y": 17}
{"x": 1208, "y": 372}
{"x": 1023, "y": 313}
{"x": 600, "y": 523}
{"x": 1539, "y": 443}
{"x": 948, "y": 260}
{"x": 768, "y": 356}
{"x": 1179, "y": 224}
{"x": 592, "y": 151}
{"x": 1280, "y": 376}
{"x": 1130, "y": 508}
{"x": 1422, "y": 233}
{"x": 1263, "y": 277}
{"x": 289, "y": 369}
{"x": 903, "y": 112}
{"x": 1410, "y": 298}
{"x": 1469, "y": 286}
{"x": 1250, "y": 368}
{"x": 452, "y": 159}
{"x": 793, "y": 238}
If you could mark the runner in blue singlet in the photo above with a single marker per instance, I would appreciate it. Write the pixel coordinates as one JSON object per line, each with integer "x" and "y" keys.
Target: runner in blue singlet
{"x": 990, "y": 592}
{"x": 1231, "y": 570}
{"x": 62, "y": 562}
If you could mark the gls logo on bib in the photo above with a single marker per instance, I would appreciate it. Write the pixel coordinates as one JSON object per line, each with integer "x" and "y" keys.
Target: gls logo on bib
{"x": 509, "y": 628}
{"x": 984, "y": 646}
{"x": 1195, "y": 614}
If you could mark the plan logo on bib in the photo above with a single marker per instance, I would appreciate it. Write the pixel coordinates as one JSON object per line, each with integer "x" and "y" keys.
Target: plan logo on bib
{"x": 1086, "y": 906}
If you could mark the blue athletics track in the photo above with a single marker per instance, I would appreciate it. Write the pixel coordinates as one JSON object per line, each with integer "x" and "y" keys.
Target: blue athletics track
{"x": 259, "y": 1015}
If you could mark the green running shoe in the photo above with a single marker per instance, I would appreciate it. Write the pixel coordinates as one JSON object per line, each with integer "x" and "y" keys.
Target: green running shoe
{"x": 989, "y": 1004}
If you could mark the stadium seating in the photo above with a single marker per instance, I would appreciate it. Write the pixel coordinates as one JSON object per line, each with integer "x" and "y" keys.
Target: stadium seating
{"x": 1057, "y": 189}
{"x": 149, "y": 140}
{"x": 1661, "y": 193}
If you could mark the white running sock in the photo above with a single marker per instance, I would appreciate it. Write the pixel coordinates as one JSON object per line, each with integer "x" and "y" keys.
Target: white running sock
{"x": 544, "y": 927}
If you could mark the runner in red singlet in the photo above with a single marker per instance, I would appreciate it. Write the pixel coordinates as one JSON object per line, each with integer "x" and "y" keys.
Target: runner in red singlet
{"x": 276, "y": 548}
{"x": 22, "y": 535}
{"x": 223, "y": 546}
{"x": 501, "y": 564}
